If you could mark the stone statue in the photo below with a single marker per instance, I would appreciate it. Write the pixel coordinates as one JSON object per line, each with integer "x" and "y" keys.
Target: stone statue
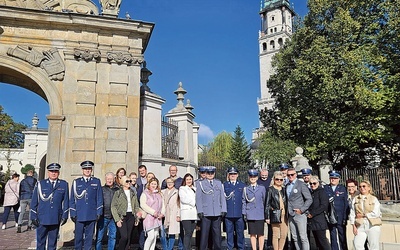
{"x": 299, "y": 161}
{"x": 110, "y": 7}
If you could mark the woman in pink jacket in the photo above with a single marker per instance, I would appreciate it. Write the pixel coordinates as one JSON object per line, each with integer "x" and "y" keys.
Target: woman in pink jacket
{"x": 151, "y": 201}
{"x": 11, "y": 199}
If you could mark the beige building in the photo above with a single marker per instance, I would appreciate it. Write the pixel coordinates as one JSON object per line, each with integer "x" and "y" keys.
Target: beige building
{"x": 89, "y": 68}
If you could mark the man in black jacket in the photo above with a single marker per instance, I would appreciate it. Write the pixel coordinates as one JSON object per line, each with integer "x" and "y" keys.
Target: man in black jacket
{"x": 106, "y": 222}
{"x": 26, "y": 190}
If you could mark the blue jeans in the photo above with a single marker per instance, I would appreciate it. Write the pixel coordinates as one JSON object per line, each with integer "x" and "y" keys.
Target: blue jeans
{"x": 102, "y": 225}
{"x": 163, "y": 238}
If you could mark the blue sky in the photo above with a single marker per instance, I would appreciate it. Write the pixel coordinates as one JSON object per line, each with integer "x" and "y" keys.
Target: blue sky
{"x": 211, "y": 46}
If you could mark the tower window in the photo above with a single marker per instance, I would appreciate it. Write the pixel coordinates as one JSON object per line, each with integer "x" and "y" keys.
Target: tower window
{"x": 264, "y": 46}
{"x": 272, "y": 45}
{"x": 275, "y": 29}
{"x": 271, "y": 31}
{"x": 280, "y": 42}
{"x": 273, "y": 18}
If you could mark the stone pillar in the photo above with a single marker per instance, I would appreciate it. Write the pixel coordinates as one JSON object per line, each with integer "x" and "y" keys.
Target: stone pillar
{"x": 184, "y": 116}
{"x": 150, "y": 132}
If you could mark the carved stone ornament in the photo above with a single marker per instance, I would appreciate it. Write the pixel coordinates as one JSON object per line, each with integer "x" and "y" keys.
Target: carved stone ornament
{"x": 110, "y": 7}
{"x": 87, "y": 54}
{"x": 122, "y": 57}
{"x": 49, "y": 60}
{"x": 77, "y": 6}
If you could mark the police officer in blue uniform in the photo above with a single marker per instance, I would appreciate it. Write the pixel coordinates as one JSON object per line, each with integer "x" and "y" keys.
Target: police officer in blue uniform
{"x": 86, "y": 206}
{"x": 234, "y": 222}
{"x": 201, "y": 176}
{"x": 49, "y": 208}
{"x": 306, "y": 174}
{"x": 284, "y": 168}
{"x": 211, "y": 208}
{"x": 339, "y": 194}
{"x": 253, "y": 209}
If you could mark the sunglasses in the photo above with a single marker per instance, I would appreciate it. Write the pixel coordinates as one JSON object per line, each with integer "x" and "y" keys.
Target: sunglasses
{"x": 313, "y": 183}
{"x": 363, "y": 186}
{"x": 291, "y": 174}
{"x": 278, "y": 179}
{"x": 128, "y": 181}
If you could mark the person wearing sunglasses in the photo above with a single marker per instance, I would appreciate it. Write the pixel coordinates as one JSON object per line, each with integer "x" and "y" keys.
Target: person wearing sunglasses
{"x": 316, "y": 217}
{"x": 299, "y": 200}
{"x": 276, "y": 211}
{"x": 125, "y": 211}
{"x": 365, "y": 217}
{"x": 338, "y": 193}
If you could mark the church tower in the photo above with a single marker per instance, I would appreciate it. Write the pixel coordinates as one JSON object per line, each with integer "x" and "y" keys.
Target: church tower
{"x": 276, "y": 28}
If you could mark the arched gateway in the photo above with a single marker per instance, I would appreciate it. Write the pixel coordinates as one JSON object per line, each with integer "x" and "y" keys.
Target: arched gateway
{"x": 87, "y": 66}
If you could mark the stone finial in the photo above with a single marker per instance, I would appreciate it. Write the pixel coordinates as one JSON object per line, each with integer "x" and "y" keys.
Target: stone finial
{"x": 35, "y": 121}
{"x": 180, "y": 92}
{"x": 188, "y": 105}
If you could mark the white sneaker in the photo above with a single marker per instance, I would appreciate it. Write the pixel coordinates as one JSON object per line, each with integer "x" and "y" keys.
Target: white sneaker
{"x": 3, "y": 227}
{"x": 16, "y": 224}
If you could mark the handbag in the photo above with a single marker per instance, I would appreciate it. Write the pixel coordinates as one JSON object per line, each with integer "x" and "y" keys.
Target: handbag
{"x": 275, "y": 216}
{"x": 331, "y": 215}
{"x": 375, "y": 221}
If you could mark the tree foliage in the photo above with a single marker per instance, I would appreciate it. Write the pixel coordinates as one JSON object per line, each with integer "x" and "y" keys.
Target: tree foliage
{"x": 272, "y": 151}
{"x": 240, "y": 150}
{"x": 336, "y": 84}
{"x": 10, "y": 131}
{"x": 218, "y": 150}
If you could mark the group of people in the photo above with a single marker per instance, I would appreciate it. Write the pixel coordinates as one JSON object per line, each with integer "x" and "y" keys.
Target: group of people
{"x": 18, "y": 197}
{"x": 278, "y": 211}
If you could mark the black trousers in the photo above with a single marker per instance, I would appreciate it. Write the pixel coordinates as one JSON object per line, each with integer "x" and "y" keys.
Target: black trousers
{"x": 188, "y": 228}
{"x": 211, "y": 223}
{"x": 321, "y": 240}
{"x": 125, "y": 231}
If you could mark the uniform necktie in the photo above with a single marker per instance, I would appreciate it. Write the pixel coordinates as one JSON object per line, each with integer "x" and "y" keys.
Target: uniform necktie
{"x": 254, "y": 187}
{"x": 87, "y": 179}
{"x": 211, "y": 183}
{"x": 233, "y": 183}
{"x": 53, "y": 183}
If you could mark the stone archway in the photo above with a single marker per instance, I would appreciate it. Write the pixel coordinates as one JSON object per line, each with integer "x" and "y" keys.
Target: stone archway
{"x": 88, "y": 69}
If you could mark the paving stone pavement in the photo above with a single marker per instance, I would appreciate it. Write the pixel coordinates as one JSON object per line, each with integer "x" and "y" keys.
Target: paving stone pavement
{"x": 11, "y": 240}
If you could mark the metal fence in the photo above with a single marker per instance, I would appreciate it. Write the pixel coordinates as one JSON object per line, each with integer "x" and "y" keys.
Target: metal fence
{"x": 221, "y": 170}
{"x": 170, "y": 138}
{"x": 385, "y": 182}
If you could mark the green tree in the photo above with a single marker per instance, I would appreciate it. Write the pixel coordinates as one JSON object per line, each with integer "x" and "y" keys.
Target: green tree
{"x": 273, "y": 151}
{"x": 218, "y": 150}
{"x": 239, "y": 150}
{"x": 336, "y": 84}
{"x": 10, "y": 131}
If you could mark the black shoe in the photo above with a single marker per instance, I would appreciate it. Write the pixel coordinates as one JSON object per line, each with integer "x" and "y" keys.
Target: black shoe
{"x": 29, "y": 228}
{"x": 19, "y": 229}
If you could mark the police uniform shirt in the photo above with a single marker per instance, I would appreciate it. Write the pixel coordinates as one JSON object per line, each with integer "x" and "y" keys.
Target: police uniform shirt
{"x": 50, "y": 203}
{"x": 86, "y": 202}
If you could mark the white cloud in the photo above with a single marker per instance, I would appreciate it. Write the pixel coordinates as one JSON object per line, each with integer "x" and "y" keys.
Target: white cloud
{"x": 205, "y": 133}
